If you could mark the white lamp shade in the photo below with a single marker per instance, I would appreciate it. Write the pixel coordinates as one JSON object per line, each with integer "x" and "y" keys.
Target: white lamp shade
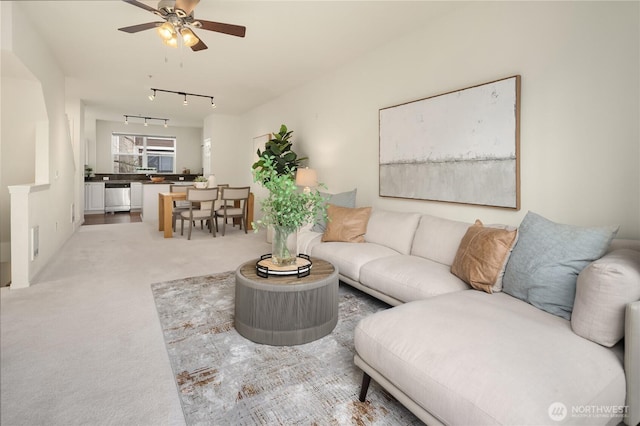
{"x": 306, "y": 177}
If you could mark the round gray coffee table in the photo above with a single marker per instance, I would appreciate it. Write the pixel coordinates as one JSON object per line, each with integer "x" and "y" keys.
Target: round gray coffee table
{"x": 286, "y": 310}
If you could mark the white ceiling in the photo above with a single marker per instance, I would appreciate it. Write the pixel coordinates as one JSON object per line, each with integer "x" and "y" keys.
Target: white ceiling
{"x": 287, "y": 44}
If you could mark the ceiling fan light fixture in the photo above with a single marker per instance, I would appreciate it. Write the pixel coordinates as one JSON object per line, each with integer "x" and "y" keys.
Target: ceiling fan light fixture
{"x": 178, "y": 15}
{"x": 188, "y": 37}
{"x": 166, "y": 31}
{"x": 172, "y": 42}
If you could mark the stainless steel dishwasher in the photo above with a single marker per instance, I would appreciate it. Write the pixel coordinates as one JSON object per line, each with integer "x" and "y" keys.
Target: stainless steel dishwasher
{"x": 117, "y": 197}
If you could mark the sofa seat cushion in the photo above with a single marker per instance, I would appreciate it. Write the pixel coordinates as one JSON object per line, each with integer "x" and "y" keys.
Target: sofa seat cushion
{"x": 476, "y": 358}
{"x": 349, "y": 257}
{"x": 409, "y": 278}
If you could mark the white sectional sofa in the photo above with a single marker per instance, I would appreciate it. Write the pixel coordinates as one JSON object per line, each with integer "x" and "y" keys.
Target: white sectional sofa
{"x": 455, "y": 355}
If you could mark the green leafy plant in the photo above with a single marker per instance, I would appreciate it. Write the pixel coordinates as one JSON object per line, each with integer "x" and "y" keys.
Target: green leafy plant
{"x": 286, "y": 206}
{"x": 201, "y": 179}
{"x": 278, "y": 149}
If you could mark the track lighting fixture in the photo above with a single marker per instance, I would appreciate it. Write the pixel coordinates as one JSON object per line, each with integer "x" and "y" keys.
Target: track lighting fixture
{"x": 184, "y": 94}
{"x": 146, "y": 119}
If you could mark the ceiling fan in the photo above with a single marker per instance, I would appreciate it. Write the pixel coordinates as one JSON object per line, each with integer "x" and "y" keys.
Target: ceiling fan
{"x": 178, "y": 19}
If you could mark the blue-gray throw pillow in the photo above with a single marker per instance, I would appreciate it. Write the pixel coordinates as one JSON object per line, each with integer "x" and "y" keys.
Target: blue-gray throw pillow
{"x": 545, "y": 263}
{"x": 343, "y": 199}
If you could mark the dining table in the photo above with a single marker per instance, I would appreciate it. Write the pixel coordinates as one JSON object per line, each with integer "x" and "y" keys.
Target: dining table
{"x": 165, "y": 211}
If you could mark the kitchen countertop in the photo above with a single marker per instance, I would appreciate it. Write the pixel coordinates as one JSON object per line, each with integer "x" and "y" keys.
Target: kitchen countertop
{"x": 144, "y": 182}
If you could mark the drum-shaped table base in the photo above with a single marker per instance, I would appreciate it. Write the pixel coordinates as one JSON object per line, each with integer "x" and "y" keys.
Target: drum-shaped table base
{"x": 286, "y": 310}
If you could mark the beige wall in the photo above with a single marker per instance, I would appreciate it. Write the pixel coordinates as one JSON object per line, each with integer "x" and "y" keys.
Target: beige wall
{"x": 579, "y": 62}
{"x": 22, "y": 105}
{"x": 52, "y": 162}
{"x": 230, "y": 149}
{"x": 188, "y": 143}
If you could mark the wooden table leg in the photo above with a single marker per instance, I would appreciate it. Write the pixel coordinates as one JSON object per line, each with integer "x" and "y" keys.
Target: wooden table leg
{"x": 165, "y": 211}
{"x": 160, "y": 212}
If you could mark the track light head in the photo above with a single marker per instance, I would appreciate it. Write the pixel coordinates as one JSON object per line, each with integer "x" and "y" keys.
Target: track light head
{"x": 153, "y": 95}
{"x": 185, "y": 102}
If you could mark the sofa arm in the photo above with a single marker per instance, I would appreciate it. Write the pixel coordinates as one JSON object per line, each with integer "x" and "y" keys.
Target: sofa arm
{"x": 632, "y": 362}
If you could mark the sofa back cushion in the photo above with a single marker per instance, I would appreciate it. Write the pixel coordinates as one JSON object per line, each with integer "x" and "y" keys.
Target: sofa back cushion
{"x": 438, "y": 239}
{"x": 603, "y": 290}
{"x": 392, "y": 229}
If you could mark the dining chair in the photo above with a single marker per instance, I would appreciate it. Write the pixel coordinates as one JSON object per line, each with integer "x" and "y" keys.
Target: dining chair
{"x": 218, "y": 203}
{"x": 204, "y": 198}
{"x": 178, "y": 206}
{"x": 229, "y": 197}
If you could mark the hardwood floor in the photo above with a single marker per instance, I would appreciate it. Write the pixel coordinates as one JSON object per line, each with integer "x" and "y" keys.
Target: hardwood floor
{"x": 107, "y": 218}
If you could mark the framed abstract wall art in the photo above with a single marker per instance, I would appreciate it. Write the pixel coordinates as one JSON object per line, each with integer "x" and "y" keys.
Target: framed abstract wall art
{"x": 460, "y": 147}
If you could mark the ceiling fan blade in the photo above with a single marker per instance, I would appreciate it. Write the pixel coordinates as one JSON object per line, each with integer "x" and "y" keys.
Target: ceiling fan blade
{"x": 142, "y": 6}
{"x": 219, "y": 27}
{"x": 140, "y": 27}
{"x": 186, "y": 5}
{"x": 199, "y": 46}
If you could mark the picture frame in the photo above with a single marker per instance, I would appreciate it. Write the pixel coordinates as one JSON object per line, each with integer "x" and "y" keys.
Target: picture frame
{"x": 459, "y": 147}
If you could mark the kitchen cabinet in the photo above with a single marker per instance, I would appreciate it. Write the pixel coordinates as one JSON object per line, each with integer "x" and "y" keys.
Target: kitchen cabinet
{"x": 136, "y": 195}
{"x": 94, "y": 197}
{"x": 150, "y": 198}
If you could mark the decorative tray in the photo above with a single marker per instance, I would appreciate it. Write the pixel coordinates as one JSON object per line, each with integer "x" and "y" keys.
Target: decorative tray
{"x": 266, "y": 267}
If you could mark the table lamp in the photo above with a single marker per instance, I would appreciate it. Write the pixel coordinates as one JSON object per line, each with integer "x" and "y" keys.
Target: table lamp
{"x": 306, "y": 177}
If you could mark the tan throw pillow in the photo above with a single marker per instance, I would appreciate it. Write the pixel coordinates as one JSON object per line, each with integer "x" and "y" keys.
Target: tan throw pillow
{"x": 482, "y": 254}
{"x": 346, "y": 224}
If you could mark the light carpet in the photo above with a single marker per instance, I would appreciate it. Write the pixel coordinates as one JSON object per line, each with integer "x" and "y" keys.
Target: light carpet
{"x": 223, "y": 378}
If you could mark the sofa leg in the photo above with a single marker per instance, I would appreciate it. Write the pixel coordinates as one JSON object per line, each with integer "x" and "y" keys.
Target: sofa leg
{"x": 366, "y": 379}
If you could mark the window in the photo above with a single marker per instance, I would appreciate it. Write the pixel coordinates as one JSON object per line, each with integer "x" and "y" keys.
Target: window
{"x": 135, "y": 153}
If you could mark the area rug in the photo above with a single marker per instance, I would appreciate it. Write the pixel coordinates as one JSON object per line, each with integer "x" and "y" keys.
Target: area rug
{"x": 225, "y": 379}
